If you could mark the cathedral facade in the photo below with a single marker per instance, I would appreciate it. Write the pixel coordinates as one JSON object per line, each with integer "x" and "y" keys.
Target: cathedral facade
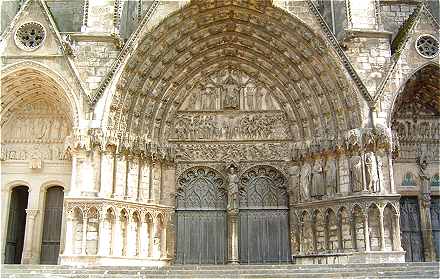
{"x": 153, "y": 133}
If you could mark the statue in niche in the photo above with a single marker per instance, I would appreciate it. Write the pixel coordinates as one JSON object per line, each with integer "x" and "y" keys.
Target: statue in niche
{"x": 305, "y": 181}
{"x": 268, "y": 101}
{"x": 317, "y": 181}
{"x": 231, "y": 93}
{"x": 356, "y": 174}
{"x": 371, "y": 173}
{"x": 210, "y": 98}
{"x": 233, "y": 187}
{"x": 259, "y": 94}
{"x": 330, "y": 177}
{"x": 250, "y": 90}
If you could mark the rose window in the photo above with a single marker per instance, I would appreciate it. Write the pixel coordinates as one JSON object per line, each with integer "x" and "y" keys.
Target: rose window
{"x": 30, "y": 36}
{"x": 427, "y": 46}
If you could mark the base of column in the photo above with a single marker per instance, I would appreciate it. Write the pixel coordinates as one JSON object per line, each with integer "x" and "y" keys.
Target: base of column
{"x": 353, "y": 257}
{"x": 85, "y": 261}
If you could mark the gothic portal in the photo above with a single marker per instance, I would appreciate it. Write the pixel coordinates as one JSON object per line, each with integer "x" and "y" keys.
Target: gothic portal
{"x": 150, "y": 133}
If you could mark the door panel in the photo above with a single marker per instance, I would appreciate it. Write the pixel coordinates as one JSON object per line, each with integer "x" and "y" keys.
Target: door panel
{"x": 264, "y": 217}
{"x": 53, "y": 214}
{"x": 16, "y": 225}
{"x": 435, "y": 221}
{"x": 264, "y": 236}
{"x": 201, "y": 237}
{"x": 201, "y": 231}
{"x": 412, "y": 241}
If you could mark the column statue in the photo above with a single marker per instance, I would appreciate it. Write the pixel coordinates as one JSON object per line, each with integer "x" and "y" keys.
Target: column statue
{"x": 233, "y": 188}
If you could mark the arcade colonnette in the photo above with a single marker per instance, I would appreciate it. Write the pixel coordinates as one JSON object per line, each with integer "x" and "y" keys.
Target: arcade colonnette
{"x": 153, "y": 133}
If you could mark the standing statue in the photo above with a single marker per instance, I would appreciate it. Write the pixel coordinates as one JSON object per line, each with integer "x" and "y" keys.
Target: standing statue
{"x": 294, "y": 172}
{"x": 356, "y": 173}
{"x": 371, "y": 173}
{"x": 305, "y": 181}
{"x": 317, "y": 182}
{"x": 330, "y": 177}
{"x": 422, "y": 163}
{"x": 233, "y": 188}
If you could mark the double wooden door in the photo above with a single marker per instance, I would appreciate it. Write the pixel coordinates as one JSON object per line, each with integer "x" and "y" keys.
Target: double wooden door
{"x": 411, "y": 234}
{"x": 435, "y": 221}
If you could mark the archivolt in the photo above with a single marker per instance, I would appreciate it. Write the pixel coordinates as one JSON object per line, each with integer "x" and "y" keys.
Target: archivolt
{"x": 27, "y": 82}
{"x": 259, "y": 39}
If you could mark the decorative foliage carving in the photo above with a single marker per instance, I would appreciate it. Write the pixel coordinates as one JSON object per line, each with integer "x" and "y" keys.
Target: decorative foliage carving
{"x": 199, "y": 188}
{"x": 263, "y": 186}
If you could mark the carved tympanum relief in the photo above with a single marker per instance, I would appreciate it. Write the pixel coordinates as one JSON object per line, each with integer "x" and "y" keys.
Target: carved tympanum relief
{"x": 230, "y": 105}
{"x": 230, "y": 89}
{"x": 35, "y": 131}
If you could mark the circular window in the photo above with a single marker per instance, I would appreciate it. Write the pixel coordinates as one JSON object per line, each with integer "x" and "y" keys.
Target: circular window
{"x": 30, "y": 36}
{"x": 427, "y": 46}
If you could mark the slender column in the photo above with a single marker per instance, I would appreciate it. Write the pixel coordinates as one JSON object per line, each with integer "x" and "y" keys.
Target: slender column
{"x": 145, "y": 238}
{"x": 382, "y": 230}
{"x": 117, "y": 249}
{"x": 366, "y": 234}
{"x": 339, "y": 224}
{"x": 74, "y": 189}
{"x": 84, "y": 235}
{"x": 233, "y": 236}
{"x": 107, "y": 172}
{"x": 103, "y": 240}
{"x": 163, "y": 241}
{"x": 396, "y": 234}
{"x": 156, "y": 239}
{"x": 69, "y": 236}
{"x": 131, "y": 237}
{"x": 27, "y": 257}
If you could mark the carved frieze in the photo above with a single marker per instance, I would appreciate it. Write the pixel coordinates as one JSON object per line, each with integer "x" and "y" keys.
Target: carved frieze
{"x": 233, "y": 152}
{"x": 250, "y": 126}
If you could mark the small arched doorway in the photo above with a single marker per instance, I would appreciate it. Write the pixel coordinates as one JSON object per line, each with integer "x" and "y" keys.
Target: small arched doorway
{"x": 53, "y": 215}
{"x": 16, "y": 225}
{"x": 264, "y": 217}
{"x": 201, "y": 232}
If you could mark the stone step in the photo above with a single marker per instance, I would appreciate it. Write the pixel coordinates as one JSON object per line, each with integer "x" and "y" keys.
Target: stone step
{"x": 222, "y": 267}
{"x": 123, "y": 271}
{"x": 356, "y": 271}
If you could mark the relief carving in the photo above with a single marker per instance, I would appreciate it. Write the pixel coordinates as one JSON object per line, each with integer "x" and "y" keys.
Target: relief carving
{"x": 255, "y": 126}
{"x": 356, "y": 173}
{"x": 230, "y": 89}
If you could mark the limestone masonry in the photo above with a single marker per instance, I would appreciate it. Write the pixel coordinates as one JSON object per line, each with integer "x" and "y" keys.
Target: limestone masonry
{"x": 153, "y": 133}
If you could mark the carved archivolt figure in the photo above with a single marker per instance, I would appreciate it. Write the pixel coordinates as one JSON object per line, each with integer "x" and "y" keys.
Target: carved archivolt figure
{"x": 330, "y": 177}
{"x": 317, "y": 181}
{"x": 371, "y": 172}
{"x": 356, "y": 173}
{"x": 305, "y": 181}
{"x": 233, "y": 188}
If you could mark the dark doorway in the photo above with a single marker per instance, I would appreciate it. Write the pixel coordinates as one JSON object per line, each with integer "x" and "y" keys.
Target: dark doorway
{"x": 16, "y": 225}
{"x": 201, "y": 231}
{"x": 411, "y": 233}
{"x": 53, "y": 215}
{"x": 264, "y": 218}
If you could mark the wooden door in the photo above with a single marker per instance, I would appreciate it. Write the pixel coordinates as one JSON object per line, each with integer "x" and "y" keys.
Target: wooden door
{"x": 412, "y": 241}
{"x": 201, "y": 229}
{"x": 435, "y": 221}
{"x": 16, "y": 225}
{"x": 264, "y": 220}
{"x": 53, "y": 215}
